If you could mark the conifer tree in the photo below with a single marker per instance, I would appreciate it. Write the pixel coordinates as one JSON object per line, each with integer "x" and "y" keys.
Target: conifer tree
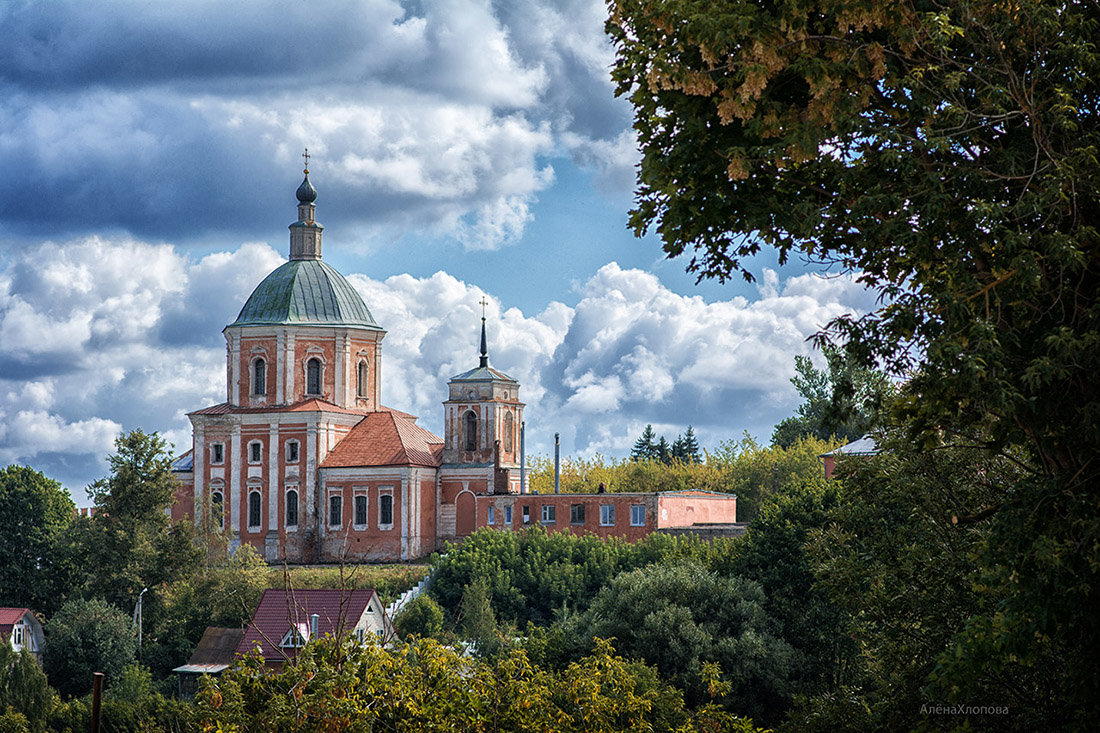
{"x": 644, "y": 447}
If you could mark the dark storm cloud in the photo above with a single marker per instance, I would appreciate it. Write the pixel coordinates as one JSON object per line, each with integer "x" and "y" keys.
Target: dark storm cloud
{"x": 184, "y": 121}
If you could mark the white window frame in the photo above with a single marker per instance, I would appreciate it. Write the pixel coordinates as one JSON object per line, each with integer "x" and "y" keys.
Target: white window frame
{"x": 255, "y": 491}
{"x": 362, "y": 379}
{"x": 255, "y": 447}
{"x": 384, "y": 491}
{"x": 297, "y": 451}
{"x": 320, "y": 374}
{"x": 17, "y": 635}
{"x": 297, "y": 508}
{"x": 215, "y": 449}
{"x": 491, "y": 515}
{"x": 548, "y": 514}
{"x": 360, "y": 494}
{"x": 220, "y": 491}
{"x": 508, "y": 515}
{"x": 259, "y": 386}
{"x": 635, "y": 511}
{"x": 328, "y": 518}
{"x": 607, "y": 515}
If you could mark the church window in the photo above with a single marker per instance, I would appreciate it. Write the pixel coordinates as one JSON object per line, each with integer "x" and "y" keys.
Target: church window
{"x": 292, "y": 451}
{"x": 217, "y": 453}
{"x": 471, "y": 431}
{"x": 362, "y": 380}
{"x": 254, "y": 502}
{"x": 255, "y": 451}
{"x": 509, "y": 432}
{"x": 217, "y": 508}
{"x": 292, "y": 508}
{"x": 259, "y": 377}
{"x": 313, "y": 376}
{"x": 385, "y": 509}
{"x": 335, "y": 510}
{"x": 361, "y": 510}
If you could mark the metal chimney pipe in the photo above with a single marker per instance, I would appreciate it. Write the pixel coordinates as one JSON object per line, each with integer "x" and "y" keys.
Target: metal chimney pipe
{"x": 313, "y": 626}
{"x": 523, "y": 458}
{"x": 557, "y": 463}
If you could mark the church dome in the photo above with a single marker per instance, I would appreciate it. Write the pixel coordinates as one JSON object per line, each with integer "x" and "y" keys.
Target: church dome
{"x": 307, "y": 292}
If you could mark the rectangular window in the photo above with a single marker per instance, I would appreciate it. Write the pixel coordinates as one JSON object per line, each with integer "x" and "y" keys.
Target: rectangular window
{"x": 360, "y": 510}
{"x": 526, "y": 515}
{"x": 292, "y": 508}
{"x": 217, "y": 453}
{"x": 292, "y": 452}
{"x": 637, "y": 515}
{"x": 508, "y": 515}
{"x": 385, "y": 510}
{"x": 17, "y": 635}
{"x": 335, "y": 507}
{"x": 576, "y": 514}
{"x": 607, "y": 515}
{"x": 255, "y": 452}
{"x": 491, "y": 518}
{"x": 549, "y": 514}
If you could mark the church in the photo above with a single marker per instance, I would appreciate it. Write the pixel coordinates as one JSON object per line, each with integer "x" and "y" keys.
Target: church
{"x": 304, "y": 463}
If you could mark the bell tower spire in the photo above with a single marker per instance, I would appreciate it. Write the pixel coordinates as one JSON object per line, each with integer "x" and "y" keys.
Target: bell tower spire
{"x": 305, "y": 234}
{"x": 484, "y": 342}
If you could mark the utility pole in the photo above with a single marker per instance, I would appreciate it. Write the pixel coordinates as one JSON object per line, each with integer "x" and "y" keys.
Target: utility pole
{"x": 138, "y": 616}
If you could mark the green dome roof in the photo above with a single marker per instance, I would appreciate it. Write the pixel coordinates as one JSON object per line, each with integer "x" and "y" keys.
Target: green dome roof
{"x": 306, "y": 292}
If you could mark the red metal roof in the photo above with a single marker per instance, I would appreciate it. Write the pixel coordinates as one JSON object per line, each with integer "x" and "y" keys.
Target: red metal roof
{"x": 9, "y": 617}
{"x": 310, "y": 405}
{"x": 280, "y": 610}
{"x": 389, "y": 438}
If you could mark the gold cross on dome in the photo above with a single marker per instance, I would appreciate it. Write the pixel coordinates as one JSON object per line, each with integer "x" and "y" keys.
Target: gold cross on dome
{"x": 306, "y": 156}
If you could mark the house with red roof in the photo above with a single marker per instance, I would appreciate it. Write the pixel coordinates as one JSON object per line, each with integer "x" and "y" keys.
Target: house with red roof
{"x": 286, "y": 619}
{"x": 20, "y": 628}
{"x": 304, "y": 463}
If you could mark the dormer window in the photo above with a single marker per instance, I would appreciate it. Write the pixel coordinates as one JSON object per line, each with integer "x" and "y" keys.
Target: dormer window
{"x": 313, "y": 376}
{"x": 259, "y": 377}
{"x": 471, "y": 431}
{"x": 295, "y": 638}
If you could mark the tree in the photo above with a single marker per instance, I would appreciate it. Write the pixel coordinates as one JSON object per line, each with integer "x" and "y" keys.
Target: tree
{"x": 87, "y": 637}
{"x": 944, "y": 155}
{"x": 645, "y": 447}
{"x": 844, "y": 402}
{"x": 131, "y": 543}
{"x": 23, "y": 687}
{"x": 34, "y": 513}
{"x": 686, "y": 448}
{"x": 421, "y": 617}
{"x": 678, "y": 617}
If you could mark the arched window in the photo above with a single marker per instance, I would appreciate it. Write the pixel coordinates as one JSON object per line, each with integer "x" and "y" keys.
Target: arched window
{"x": 509, "y": 432}
{"x": 292, "y": 508}
{"x": 259, "y": 377}
{"x": 362, "y": 381}
{"x": 217, "y": 508}
{"x": 254, "y": 508}
{"x": 313, "y": 376}
{"x": 471, "y": 431}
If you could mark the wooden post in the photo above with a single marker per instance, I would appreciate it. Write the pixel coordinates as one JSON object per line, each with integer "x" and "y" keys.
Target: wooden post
{"x": 97, "y": 699}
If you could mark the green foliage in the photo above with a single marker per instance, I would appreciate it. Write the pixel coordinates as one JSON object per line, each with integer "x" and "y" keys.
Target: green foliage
{"x": 757, "y": 473}
{"x": 476, "y": 620}
{"x": 899, "y": 555}
{"x": 86, "y": 637}
{"x": 389, "y": 581}
{"x": 427, "y": 687}
{"x": 130, "y": 543}
{"x": 24, "y": 691}
{"x": 946, "y": 155}
{"x": 843, "y": 403}
{"x": 773, "y": 554}
{"x": 422, "y": 616}
{"x": 678, "y": 617}
{"x": 532, "y": 575}
{"x": 34, "y": 512}
{"x": 649, "y": 447}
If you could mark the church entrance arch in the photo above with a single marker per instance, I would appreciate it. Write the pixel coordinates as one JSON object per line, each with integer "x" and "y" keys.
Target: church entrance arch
{"x": 465, "y": 514}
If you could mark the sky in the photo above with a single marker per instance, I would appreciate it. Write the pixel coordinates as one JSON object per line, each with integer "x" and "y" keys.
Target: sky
{"x": 460, "y": 150}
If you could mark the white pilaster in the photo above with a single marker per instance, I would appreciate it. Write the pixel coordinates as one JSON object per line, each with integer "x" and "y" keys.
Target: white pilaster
{"x": 273, "y": 473}
{"x": 280, "y": 365}
{"x": 198, "y": 466}
{"x": 236, "y": 459}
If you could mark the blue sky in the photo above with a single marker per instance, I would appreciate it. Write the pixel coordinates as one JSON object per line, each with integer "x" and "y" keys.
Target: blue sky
{"x": 460, "y": 149}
